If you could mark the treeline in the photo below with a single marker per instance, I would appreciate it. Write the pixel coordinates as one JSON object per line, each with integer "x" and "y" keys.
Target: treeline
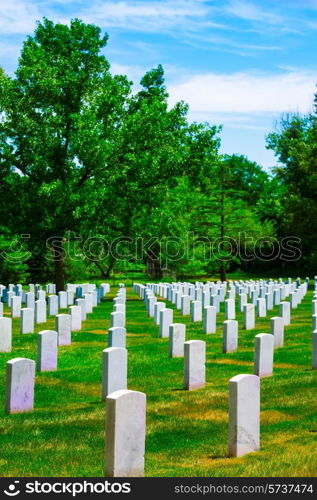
{"x": 95, "y": 176}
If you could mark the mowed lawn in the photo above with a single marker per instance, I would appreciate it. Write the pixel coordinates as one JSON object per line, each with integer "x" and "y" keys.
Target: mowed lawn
{"x": 187, "y": 431}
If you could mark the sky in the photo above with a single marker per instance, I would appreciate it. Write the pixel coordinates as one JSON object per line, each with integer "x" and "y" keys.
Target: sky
{"x": 242, "y": 64}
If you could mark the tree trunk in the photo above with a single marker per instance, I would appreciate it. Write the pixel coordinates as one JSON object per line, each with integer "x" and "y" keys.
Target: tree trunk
{"x": 153, "y": 268}
{"x": 223, "y": 275}
{"x": 59, "y": 268}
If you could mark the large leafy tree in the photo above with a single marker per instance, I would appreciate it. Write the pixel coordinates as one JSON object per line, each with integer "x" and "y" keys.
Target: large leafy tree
{"x": 295, "y": 146}
{"x": 60, "y": 115}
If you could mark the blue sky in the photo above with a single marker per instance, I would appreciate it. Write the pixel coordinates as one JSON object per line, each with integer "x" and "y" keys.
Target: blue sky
{"x": 237, "y": 63}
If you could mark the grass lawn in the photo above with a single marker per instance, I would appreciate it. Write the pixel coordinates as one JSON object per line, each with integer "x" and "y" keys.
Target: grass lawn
{"x": 186, "y": 430}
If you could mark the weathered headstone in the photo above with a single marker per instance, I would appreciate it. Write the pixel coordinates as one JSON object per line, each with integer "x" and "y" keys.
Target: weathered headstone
{"x": 194, "y": 364}
{"x": 20, "y": 377}
{"x": 125, "y": 434}
{"x": 63, "y": 327}
{"x": 244, "y": 415}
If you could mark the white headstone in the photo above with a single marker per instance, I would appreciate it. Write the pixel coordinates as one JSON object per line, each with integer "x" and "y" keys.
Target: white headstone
{"x": 177, "y": 333}
{"x": 40, "y": 311}
{"x": 209, "y": 323}
{"x": 5, "y": 334}
{"x": 230, "y": 335}
{"x": 114, "y": 370}
{"x": 75, "y": 314}
{"x": 117, "y": 336}
{"x": 166, "y": 319}
{"x": 20, "y": 377}
{"x": 248, "y": 316}
{"x": 82, "y": 304}
{"x": 52, "y": 305}
{"x": 277, "y": 330}
{"x": 63, "y": 328}
{"x": 244, "y": 415}
{"x": 27, "y": 320}
{"x": 47, "y": 351}
{"x": 125, "y": 434}
{"x": 194, "y": 364}
{"x": 196, "y": 310}
{"x": 263, "y": 354}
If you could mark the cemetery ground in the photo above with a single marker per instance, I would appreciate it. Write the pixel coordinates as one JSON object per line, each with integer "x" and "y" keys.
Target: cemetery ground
{"x": 187, "y": 431}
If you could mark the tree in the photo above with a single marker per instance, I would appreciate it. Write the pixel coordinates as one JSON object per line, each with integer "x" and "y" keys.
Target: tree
{"x": 61, "y": 112}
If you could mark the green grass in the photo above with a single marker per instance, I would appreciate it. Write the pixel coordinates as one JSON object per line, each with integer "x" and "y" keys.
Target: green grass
{"x": 186, "y": 430}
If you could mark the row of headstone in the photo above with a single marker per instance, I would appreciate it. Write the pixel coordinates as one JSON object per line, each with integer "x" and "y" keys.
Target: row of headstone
{"x": 126, "y": 423}
{"x": 20, "y": 375}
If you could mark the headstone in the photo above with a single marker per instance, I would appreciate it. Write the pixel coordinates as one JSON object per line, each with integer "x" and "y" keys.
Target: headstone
{"x": 63, "y": 328}
{"x": 117, "y": 336}
{"x": 177, "y": 333}
{"x": 52, "y": 305}
{"x": 47, "y": 351}
{"x": 117, "y": 319}
{"x": 150, "y": 307}
{"x": 27, "y": 320}
{"x": 194, "y": 364}
{"x": 314, "y": 350}
{"x": 114, "y": 370}
{"x": 82, "y": 304}
{"x": 62, "y": 300}
{"x": 15, "y": 306}
{"x": 88, "y": 300}
{"x": 166, "y": 319}
{"x": 196, "y": 310}
{"x": 209, "y": 323}
{"x": 230, "y": 336}
{"x": 40, "y": 311}
{"x": 5, "y": 334}
{"x": 30, "y": 300}
{"x": 185, "y": 305}
{"x": 70, "y": 297}
{"x": 261, "y": 307}
{"x": 263, "y": 355}
{"x": 230, "y": 312}
{"x": 244, "y": 415}
{"x": 158, "y": 306}
{"x": 285, "y": 312}
{"x": 248, "y": 316}
{"x": 277, "y": 330}
{"x": 243, "y": 298}
{"x": 125, "y": 434}
{"x": 75, "y": 314}
{"x": 20, "y": 377}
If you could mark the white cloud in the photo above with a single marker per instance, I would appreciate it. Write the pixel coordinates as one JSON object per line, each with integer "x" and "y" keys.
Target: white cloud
{"x": 18, "y": 17}
{"x": 250, "y": 92}
{"x": 251, "y": 12}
